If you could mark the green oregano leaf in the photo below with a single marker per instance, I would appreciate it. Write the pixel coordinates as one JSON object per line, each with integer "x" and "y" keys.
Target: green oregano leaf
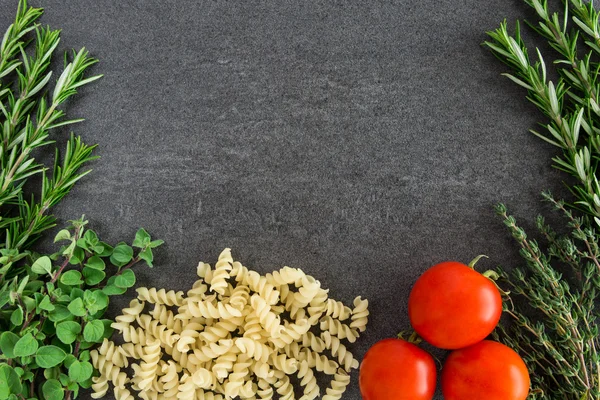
{"x": 126, "y": 279}
{"x": 67, "y": 331}
{"x": 63, "y": 234}
{"x": 113, "y": 290}
{"x": 42, "y": 265}
{"x": 76, "y": 307}
{"x": 53, "y": 390}
{"x": 156, "y": 243}
{"x": 64, "y": 379}
{"x": 26, "y": 346}
{"x": 121, "y": 255}
{"x": 60, "y": 313}
{"x": 80, "y": 371}
{"x": 29, "y": 303}
{"x": 100, "y": 298}
{"x": 71, "y": 278}
{"x": 147, "y": 256}
{"x": 69, "y": 359}
{"x": 49, "y": 356}
{"x": 107, "y": 249}
{"x": 46, "y": 304}
{"x": 84, "y": 355}
{"x": 95, "y": 262}
{"x": 93, "y": 276}
{"x": 8, "y": 340}
{"x": 142, "y": 238}
{"x": 10, "y": 384}
{"x": 78, "y": 256}
{"x": 93, "y": 331}
{"x": 16, "y": 317}
{"x": 75, "y": 293}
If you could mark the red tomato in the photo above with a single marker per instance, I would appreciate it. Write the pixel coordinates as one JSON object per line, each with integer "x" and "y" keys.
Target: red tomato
{"x": 453, "y": 306}
{"x": 487, "y": 370}
{"x": 394, "y": 369}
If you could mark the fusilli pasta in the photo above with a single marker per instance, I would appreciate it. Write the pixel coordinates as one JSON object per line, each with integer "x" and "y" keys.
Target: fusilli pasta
{"x": 234, "y": 334}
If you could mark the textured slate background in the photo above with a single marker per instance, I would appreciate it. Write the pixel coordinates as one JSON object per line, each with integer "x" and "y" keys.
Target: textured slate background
{"x": 360, "y": 141}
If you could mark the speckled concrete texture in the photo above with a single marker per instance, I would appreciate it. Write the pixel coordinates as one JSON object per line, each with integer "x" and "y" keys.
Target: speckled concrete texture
{"x": 362, "y": 141}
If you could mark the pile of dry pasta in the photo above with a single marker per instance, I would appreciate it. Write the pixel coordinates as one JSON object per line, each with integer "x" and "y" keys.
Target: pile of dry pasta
{"x": 235, "y": 334}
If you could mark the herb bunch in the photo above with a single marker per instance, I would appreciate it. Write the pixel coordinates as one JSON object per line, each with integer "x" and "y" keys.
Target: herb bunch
{"x": 51, "y": 305}
{"x": 28, "y": 114}
{"x": 52, "y": 317}
{"x": 553, "y": 301}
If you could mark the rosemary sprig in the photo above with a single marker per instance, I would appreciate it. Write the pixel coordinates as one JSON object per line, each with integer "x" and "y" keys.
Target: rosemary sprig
{"x": 554, "y": 324}
{"x": 571, "y": 104}
{"x": 28, "y": 113}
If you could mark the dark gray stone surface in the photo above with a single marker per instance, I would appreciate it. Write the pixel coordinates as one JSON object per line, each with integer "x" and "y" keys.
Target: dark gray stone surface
{"x": 360, "y": 141}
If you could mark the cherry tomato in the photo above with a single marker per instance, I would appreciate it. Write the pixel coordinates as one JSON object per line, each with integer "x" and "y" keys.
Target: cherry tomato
{"x": 453, "y": 306}
{"x": 487, "y": 370}
{"x": 394, "y": 369}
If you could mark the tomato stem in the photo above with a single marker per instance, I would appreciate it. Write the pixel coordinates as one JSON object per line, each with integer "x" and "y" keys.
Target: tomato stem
{"x": 413, "y": 337}
{"x": 476, "y": 259}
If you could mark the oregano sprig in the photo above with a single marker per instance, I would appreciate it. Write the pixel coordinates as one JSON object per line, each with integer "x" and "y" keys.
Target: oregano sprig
{"x": 52, "y": 317}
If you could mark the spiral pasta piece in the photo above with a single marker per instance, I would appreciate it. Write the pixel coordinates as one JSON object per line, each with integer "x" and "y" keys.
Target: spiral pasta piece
{"x": 318, "y": 361}
{"x": 221, "y": 330}
{"x": 111, "y": 353}
{"x": 284, "y": 364}
{"x": 204, "y": 379}
{"x": 315, "y": 343}
{"x": 267, "y": 318}
{"x": 360, "y": 314}
{"x": 262, "y": 370}
{"x": 306, "y": 292}
{"x": 167, "y": 317}
{"x": 236, "y": 379}
{"x": 284, "y": 387}
{"x": 340, "y": 351}
{"x": 108, "y": 370}
{"x": 261, "y": 285}
{"x": 254, "y": 349}
{"x": 99, "y": 387}
{"x": 222, "y": 267}
{"x": 129, "y": 315}
{"x": 308, "y": 381}
{"x": 252, "y": 327}
{"x": 337, "y": 310}
{"x": 265, "y": 390}
{"x": 338, "y": 386}
{"x": 170, "y": 379}
{"x": 211, "y": 309}
{"x": 166, "y": 336}
{"x": 240, "y": 296}
{"x": 199, "y": 289}
{"x": 146, "y": 371}
{"x": 135, "y": 335}
{"x": 341, "y": 330}
{"x": 285, "y": 276}
{"x": 213, "y": 350}
{"x": 187, "y": 389}
{"x": 202, "y": 395}
{"x": 130, "y": 350}
{"x": 161, "y": 296}
{"x": 122, "y": 394}
{"x": 224, "y": 364}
